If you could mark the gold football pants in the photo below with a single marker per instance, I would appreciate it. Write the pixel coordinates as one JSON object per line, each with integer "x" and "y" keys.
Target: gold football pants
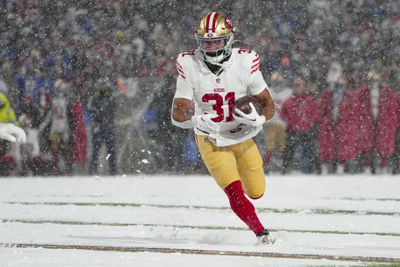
{"x": 235, "y": 162}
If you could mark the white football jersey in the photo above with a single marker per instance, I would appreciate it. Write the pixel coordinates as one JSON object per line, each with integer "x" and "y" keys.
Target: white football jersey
{"x": 216, "y": 94}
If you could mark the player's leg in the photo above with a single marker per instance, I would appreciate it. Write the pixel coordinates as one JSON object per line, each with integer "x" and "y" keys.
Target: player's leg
{"x": 250, "y": 168}
{"x": 252, "y": 175}
{"x": 242, "y": 207}
{"x": 221, "y": 164}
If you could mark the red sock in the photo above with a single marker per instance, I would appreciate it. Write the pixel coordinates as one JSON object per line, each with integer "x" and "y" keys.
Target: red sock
{"x": 243, "y": 207}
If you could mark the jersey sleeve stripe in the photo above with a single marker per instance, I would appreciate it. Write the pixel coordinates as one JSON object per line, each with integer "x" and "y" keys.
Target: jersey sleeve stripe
{"x": 180, "y": 71}
{"x": 255, "y": 66}
{"x": 179, "y": 68}
{"x": 256, "y": 60}
{"x": 254, "y": 70}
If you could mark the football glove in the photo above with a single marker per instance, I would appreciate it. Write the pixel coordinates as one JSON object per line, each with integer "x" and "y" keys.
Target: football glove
{"x": 204, "y": 124}
{"x": 253, "y": 118}
{"x": 12, "y": 133}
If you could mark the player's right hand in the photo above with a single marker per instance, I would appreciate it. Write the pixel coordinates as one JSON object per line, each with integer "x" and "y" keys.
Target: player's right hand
{"x": 253, "y": 118}
{"x": 12, "y": 133}
{"x": 204, "y": 124}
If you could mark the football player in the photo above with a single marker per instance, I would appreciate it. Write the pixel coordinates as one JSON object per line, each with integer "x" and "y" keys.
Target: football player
{"x": 213, "y": 76}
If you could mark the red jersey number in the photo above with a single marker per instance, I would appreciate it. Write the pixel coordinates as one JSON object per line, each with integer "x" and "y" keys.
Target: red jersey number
{"x": 219, "y": 101}
{"x": 242, "y": 50}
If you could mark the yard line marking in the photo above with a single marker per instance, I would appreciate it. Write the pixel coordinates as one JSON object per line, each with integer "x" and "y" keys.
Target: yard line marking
{"x": 204, "y": 252}
{"x": 362, "y": 199}
{"x": 200, "y": 227}
{"x": 272, "y": 210}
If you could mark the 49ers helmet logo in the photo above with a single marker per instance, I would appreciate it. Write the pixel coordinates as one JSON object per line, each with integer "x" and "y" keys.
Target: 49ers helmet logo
{"x": 228, "y": 22}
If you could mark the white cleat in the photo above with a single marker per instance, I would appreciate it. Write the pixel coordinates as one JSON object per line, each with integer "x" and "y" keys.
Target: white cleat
{"x": 264, "y": 238}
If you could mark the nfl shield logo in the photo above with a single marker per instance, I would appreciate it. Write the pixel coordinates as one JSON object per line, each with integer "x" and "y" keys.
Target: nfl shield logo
{"x": 218, "y": 80}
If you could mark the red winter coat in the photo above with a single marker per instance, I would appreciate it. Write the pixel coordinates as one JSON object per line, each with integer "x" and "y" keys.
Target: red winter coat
{"x": 299, "y": 111}
{"x": 339, "y": 139}
{"x": 79, "y": 134}
{"x": 326, "y": 128}
{"x": 397, "y": 94}
{"x": 386, "y": 123}
{"x": 366, "y": 131}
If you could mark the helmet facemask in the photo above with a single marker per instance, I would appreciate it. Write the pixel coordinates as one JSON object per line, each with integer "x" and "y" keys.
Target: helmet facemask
{"x": 215, "y": 37}
{"x": 215, "y": 49}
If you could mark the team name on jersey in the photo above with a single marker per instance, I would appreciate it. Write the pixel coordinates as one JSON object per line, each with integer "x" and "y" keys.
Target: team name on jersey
{"x": 219, "y": 90}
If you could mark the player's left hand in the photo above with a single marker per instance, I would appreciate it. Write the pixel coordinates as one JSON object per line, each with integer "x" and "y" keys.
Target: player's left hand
{"x": 253, "y": 118}
{"x": 12, "y": 133}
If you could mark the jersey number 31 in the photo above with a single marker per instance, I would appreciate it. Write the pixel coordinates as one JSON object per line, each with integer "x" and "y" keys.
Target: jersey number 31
{"x": 219, "y": 101}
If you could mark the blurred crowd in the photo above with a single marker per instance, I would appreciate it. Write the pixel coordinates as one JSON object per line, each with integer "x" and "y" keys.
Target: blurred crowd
{"x": 92, "y": 82}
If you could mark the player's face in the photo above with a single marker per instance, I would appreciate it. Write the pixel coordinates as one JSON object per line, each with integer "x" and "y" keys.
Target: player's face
{"x": 212, "y": 45}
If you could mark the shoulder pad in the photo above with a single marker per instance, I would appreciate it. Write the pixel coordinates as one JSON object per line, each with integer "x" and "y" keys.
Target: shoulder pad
{"x": 187, "y": 54}
{"x": 250, "y": 58}
{"x": 182, "y": 61}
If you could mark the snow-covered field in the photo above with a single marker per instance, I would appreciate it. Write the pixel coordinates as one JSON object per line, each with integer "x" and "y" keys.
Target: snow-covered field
{"x": 186, "y": 221}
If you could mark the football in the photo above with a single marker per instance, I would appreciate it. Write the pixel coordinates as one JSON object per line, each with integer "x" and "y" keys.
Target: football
{"x": 243, "y": 104}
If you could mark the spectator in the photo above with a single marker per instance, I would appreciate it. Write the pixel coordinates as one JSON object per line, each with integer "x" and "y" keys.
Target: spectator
{"x": 59, "y": 130}
{"x": 396, "y": 158}
{"x": 386, "y": 124}
{"x": 102, "y": 111}
{"x": 327, "y": 132}
{"x": 366, "y": 126}
{"x": 338, "y": 127}
{"x": 300, "y": 111}
{"x": 28, "y": 155}
{"x": 7, "y": 115}
{"x": 275, "y": 128}
{"x": 78, "y": 140}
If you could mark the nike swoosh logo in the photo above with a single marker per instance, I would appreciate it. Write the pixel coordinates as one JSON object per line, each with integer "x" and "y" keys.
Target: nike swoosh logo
{"x": 202, "y": 130}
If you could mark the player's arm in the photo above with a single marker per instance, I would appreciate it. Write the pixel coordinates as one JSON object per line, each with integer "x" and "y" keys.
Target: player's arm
{"x": 179, "y": 115}
{"x": 268, "y": 104}
{"x": 181, "y": 118}
{"x": 256, "y": 81}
